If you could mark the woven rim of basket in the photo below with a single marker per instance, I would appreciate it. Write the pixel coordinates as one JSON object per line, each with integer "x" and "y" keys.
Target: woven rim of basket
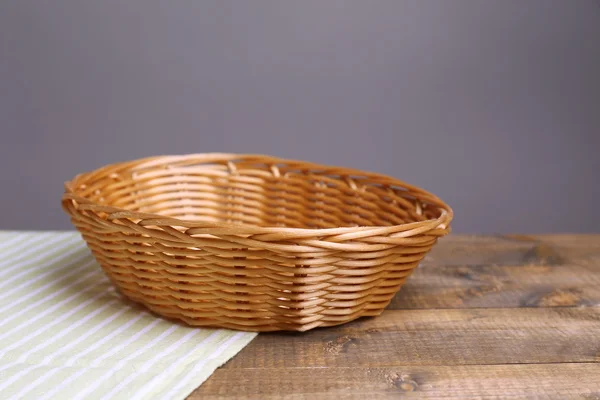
{"x": 229, "y": 160}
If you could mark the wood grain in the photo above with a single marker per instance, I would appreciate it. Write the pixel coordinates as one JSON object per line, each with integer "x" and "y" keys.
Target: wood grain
{"x": 436, "y": 337}
{"x": 555, "y": 381}
{"x": 491, "y": 286}
{"x": 513, "y": 271}
{"x": 461, "y": 250}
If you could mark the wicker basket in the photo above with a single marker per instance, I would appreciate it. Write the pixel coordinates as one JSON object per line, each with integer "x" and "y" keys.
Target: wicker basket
{"x": 253, "y": 242}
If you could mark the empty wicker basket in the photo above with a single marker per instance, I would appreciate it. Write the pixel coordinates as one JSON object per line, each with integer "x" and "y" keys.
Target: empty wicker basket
{"x": 254, "y": 242}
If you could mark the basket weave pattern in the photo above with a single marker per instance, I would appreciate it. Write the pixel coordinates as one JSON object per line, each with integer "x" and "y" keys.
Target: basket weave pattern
{"x": 254, "y": 242}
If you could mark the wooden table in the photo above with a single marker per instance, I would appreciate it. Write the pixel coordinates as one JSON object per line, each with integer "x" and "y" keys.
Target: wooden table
{"x": 511, "y": 316}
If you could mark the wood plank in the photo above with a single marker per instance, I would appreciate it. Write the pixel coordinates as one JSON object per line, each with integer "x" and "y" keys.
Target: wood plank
{"x": 513, "y": 250}
{"x": 556, "y": 381}
{"x": 581, "y": 241}
{"x": 492, "y": 286}
{"x": 436, "y": 337}
{"x": 582, "y": 249}
{"x": 515, "y": 271}
{"x": 462, "y": 250}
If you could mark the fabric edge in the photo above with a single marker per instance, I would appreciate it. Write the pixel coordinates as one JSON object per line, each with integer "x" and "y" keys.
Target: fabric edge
{"x": 209, "y": 368}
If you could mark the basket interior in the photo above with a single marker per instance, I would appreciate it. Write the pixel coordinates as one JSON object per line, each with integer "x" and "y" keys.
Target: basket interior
{"x": 257, "y": 194}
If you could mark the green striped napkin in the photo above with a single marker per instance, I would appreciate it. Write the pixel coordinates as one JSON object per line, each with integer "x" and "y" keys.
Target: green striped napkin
{"x": 65, "y": 333}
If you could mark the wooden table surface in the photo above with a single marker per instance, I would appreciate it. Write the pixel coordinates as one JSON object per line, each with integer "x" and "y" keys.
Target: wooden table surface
{"x": 483, "y": 316}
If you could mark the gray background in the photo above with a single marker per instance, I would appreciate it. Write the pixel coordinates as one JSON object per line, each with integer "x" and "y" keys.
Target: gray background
{"x": 492, "y": 105}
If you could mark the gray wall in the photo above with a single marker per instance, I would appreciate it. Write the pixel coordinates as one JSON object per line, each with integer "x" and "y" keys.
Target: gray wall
{"x": 492, "y": 105}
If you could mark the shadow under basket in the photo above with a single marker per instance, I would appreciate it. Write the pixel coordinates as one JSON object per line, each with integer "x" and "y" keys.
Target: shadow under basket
{"x": 253, "y": 242}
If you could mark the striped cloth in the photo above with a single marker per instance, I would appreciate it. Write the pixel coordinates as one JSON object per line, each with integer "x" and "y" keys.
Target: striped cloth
{"x": 66, "y": 334}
